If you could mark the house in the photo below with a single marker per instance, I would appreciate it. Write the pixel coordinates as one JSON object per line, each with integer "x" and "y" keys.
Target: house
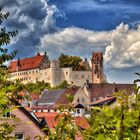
{"x": 51, "y": 100}
{"x": 103, "y": 90}
{"x": 49, "y": 120}
{"x": 28, "y": 69}
{"x": 105, "y": 101}
{"x": 26, "y": 126}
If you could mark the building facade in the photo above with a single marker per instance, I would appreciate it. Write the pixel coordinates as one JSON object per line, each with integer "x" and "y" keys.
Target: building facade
{"x": 39, "y": 68}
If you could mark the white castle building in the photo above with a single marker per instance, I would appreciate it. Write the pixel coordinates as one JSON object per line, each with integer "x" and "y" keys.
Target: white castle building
{"x": 40, "y": 68}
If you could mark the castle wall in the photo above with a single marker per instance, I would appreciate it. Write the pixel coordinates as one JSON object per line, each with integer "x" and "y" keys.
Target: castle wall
{"x": 65, "y": 74}
{"x": 80, "y": 77}
{"x": 45, "y": 75}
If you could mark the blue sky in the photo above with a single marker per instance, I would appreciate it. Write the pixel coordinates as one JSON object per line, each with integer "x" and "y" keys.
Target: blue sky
{"x": 79, "y": 27}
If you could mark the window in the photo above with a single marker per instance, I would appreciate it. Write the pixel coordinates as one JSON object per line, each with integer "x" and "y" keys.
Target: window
{"x": 78, "y": 111}
{"x": 100, "y": 98}
{"x": 7, "y": 114}
{"x": 82, "y": 76}
{"x": 66, "y": 72}
{"x": 36, "y": 79}
{"x": 98, "y": 76}
{"x": 78, "y": 100}
{"x": 83, "y": 100}
{"x": 19, "y": 136}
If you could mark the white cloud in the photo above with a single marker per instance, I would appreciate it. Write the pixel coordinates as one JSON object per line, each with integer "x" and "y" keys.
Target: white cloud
{"x": 123, "y": 52}
{"x": 121, "y": 45}
{"x": 100, "y": 5}
{"x": 74, "y": 41}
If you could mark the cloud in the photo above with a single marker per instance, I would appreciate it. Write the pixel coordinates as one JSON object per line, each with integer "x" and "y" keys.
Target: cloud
{"x": 123, "y": 52}
{"x": 74, "y": 41}
{"x": 36, "y": 24}
{"x": 80, "y": 6}
{"x": 32, "y": 20}
{"x": 121, "y": 46}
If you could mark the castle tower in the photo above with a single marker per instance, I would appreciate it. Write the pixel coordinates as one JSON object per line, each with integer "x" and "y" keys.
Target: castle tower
{"x": 54, "y": 73}
{"x": 97, "y": 67}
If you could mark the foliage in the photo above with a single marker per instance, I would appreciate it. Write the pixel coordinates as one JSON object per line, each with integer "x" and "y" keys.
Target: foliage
{"x": 62, "y": 85}
{"x": 5, "y": 131}
{"x": 71, "y": 61}
{"x": 8, "y": 90}
{"x": 120, "y": 122}
{"x": 66, "y": 128}
{"x": 37, "y": 87}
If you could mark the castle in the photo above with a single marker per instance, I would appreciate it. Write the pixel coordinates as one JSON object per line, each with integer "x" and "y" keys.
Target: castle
{"x": 40, "y": 68}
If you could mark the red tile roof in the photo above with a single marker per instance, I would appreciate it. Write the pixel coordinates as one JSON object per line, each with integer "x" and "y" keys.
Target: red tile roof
{"x": 43, "y": 114}
{"x": 97, "y": 56}
{"x": 107, "y": 89}
{"x": 51, "y": 120}
{"x": 27, "y": 63}
{"x": 82, "y": 122}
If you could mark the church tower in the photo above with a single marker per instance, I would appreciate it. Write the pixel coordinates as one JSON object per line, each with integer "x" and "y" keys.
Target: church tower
{"x": 97, "y": 67}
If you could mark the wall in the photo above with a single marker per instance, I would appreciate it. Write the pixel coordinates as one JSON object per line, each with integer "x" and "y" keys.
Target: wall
{"x": 80, "y": 95}
{"x": 45, "y": 75}
{"x": 25, "y": 125}
{"x": 25, "y": 76}
{"x": 80, "y": 77}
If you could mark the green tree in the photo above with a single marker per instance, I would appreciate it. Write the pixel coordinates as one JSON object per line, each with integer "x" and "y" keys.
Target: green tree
{"x": 66, "y": 128}
{"x": 71, "y": 61}
{"x": 119, "y": 122}
{"x": 37, "y": 87}
{"x": 8, "y": 90}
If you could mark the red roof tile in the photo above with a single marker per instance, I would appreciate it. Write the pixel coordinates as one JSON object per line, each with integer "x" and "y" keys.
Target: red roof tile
{"x": 27, "y": 63}
{"x": 44, "y": 114}
{"x": 107, "y": 89}
{"x": 51, "y": 120}
{"x": 97, "y": 56}
{"x": 82, "y": 122}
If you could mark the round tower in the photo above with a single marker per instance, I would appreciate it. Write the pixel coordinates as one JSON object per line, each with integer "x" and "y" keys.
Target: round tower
{"x": 54, "y": 73}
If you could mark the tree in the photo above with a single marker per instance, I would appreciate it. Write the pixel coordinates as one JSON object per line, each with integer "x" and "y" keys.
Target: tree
{"x": 37, "y": 87}
{"x": 66, "y": 128}
{"x": 71, "y": 61}
{"x": 8, "y": 90}
{"x": 120, "y": 122}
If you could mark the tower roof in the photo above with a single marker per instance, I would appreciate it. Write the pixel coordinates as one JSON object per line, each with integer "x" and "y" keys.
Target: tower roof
{"x": 97, "y": 56}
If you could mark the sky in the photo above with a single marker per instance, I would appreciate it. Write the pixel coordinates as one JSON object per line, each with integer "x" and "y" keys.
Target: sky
{"x": 79, "y": 27}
